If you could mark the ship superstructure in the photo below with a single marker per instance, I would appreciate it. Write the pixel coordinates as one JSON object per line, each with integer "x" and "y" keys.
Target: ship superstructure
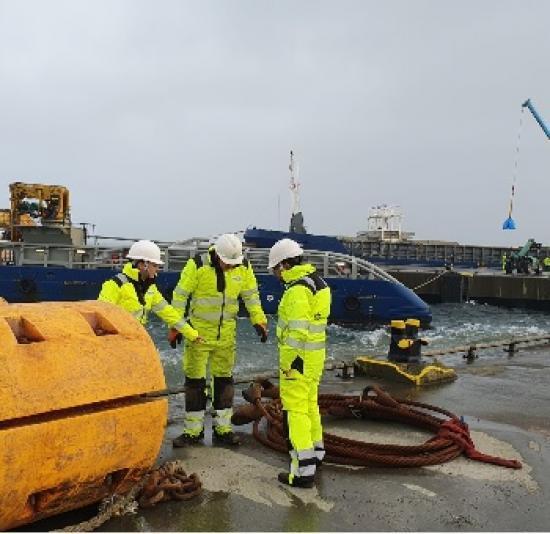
{"x": 384, "y": 224}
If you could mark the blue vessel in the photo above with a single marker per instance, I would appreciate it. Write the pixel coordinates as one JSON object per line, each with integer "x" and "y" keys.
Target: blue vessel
{"x": 363, "y": 294}
{"x": 54, "y": 261}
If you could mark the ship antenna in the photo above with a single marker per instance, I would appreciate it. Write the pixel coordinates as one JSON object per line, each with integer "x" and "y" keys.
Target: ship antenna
{"x": 294, "y": 186}
{"x": 296, "y": 219}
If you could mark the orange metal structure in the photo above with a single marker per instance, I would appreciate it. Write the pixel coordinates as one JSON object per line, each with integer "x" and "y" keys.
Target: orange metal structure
{"x": 5, "y": 218}
{"x": 76, "y": 421}
{"x": 49, "y": 203}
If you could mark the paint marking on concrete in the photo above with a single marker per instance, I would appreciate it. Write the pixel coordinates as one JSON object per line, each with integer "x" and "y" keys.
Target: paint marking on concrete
{"x": 533, "y": 445}
{"x": 234, "y": 472}
{"x": 420, "y": 489}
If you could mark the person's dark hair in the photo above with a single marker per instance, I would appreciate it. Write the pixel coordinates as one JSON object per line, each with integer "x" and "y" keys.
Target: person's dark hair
{"x": 293, "y": 261}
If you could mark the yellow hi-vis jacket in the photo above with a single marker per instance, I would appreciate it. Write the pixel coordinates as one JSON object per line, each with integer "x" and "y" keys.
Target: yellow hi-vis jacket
{"x": 302, "y": 319}
{"x": 139, "y": 298}
{"x": 212, "y": 296}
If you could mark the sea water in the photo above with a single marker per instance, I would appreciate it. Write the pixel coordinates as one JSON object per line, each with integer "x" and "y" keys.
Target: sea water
{"x": 453, "y": 325}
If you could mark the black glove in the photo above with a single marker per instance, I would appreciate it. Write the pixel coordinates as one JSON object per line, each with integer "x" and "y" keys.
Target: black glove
{"x": 261, "y": 331}
{"x": 174, "y": 337}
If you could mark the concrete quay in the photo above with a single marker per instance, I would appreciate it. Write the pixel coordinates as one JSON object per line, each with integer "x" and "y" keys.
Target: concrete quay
{"x": 504, "y": 400}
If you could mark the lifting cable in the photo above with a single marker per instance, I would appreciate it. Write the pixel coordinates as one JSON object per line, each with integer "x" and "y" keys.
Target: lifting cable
{"x": 452, "y": 436}
{"x": 509, "y": 223}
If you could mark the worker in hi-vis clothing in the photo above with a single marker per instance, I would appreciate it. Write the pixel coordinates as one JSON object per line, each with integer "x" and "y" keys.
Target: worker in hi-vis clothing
{"x": 135, "y": 291}
{"x": 207, "y": 295}
{"x": 301, "y": 333}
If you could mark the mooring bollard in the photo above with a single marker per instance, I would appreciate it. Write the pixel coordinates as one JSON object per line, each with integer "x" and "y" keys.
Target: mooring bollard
{"x": 471, "y": 355}
{"x": 411, "y": 331}
{"x": 399, "y": 344}
{"x": 511, "y": 350}
{"x": 405, "y": 345}
{"x": 348, "y": 371}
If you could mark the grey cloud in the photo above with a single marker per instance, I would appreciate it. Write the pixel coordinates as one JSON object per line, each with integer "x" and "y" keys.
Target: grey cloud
{"x": 170, "y": 119}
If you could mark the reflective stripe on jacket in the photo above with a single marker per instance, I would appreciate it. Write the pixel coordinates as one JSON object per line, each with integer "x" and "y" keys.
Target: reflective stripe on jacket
{"x": 139, "y": 298}
{"x": 302, "y": 319}
{"x": 210, "y": 296}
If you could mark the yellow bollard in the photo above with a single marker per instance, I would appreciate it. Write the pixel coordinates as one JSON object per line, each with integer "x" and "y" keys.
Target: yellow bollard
{"x": 399, "y": 343}
{"x": 75, "y": 422}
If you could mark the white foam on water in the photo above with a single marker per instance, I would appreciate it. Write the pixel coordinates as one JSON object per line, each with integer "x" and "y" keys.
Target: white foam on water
{"x": 375, "y": 338}
{"x": 453, "y": 325}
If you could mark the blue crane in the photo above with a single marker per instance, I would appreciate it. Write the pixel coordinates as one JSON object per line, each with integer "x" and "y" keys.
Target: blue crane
{"x": 509, "y": 223}
{"x": 529, "y": 105}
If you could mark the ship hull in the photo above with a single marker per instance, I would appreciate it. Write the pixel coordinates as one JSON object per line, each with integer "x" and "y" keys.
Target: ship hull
{"x": 355, "y": 301}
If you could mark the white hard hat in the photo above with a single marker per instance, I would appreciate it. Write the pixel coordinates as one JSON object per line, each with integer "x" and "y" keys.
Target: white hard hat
{"x": 229, "y": 248}
{"x": 145, "y": 250}
{"x": 283, "y": 250}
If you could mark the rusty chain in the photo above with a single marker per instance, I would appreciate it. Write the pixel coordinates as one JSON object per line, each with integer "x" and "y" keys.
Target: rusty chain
{"x": 165, "y": 483}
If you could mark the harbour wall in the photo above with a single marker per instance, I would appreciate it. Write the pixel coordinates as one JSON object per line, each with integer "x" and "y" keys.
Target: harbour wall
{"x": 435, "y": 286}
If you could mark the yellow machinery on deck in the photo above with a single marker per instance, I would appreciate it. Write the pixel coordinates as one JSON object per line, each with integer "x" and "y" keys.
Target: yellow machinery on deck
{"x": 5, "y": 218}
{"x": 32, "y": 203}
{"x": 77, "y": 418}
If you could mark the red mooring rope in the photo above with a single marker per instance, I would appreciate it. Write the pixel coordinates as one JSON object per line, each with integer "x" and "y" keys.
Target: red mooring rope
{"x": 452, "y": 435}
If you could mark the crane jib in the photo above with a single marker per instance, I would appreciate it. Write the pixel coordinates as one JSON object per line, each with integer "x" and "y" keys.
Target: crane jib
{"x": 529, "y": 105}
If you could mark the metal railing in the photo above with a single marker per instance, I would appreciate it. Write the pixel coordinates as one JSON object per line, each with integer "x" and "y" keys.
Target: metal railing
{"x": 59, "y": 255}
{"x": 329, "y": 264}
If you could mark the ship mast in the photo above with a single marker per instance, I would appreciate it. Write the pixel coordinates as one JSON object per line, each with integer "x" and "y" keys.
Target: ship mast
{"x": 297, "y": 218}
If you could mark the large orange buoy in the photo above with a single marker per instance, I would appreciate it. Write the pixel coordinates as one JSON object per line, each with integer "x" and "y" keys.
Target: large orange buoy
{"x": 76, "y": 423}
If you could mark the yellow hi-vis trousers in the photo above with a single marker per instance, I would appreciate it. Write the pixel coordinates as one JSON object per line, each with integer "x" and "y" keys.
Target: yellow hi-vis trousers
{"x": 196, "y": 358}
{"x": 302, "y": 420}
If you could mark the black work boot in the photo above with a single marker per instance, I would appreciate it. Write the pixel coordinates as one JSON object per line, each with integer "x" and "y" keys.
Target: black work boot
{"x": 318, "y": 461}
{"x": 228, "y": 438}
{"x": 184, "y": 440}
{"x": 297, "y": 482}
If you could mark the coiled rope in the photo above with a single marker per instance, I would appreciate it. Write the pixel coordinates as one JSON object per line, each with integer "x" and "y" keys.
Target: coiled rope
{"x": 452, "y": 436}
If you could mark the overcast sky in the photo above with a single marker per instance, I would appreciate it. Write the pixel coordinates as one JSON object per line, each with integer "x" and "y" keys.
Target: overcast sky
{"x": 171, "y": 119}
